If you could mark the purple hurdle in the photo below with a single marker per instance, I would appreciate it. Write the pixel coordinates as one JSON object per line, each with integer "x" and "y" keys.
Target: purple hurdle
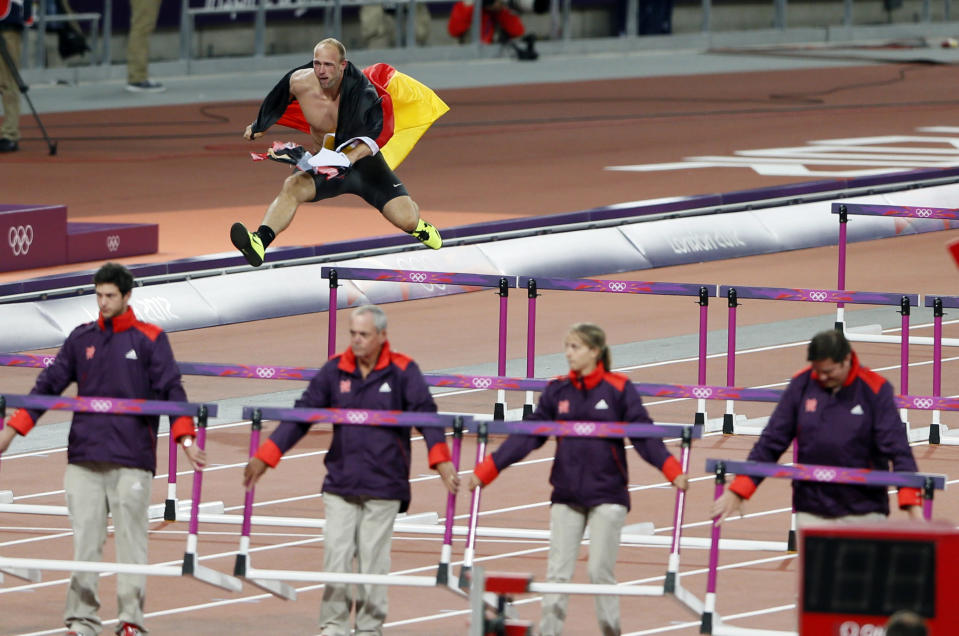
{"x": 927, "y": 483}
{"x": 463, "y": 281}
{"x": 533, "y": 285}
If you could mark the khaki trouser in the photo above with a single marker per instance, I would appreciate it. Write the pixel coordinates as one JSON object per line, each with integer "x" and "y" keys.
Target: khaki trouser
{"x": 566, "y": 527}
{"x": 804, "y": 519}
{"x": 93, "y": 489}
{"x": 143, "y": 20}
{"x": 10, "y": 129}
{"x": 359, "y": 528}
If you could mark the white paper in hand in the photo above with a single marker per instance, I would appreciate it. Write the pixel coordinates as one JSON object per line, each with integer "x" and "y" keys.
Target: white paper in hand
{"x": 327, "y": 157}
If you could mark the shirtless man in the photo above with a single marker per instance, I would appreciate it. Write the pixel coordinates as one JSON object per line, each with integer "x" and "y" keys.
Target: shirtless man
{"x": 356, "y": 165}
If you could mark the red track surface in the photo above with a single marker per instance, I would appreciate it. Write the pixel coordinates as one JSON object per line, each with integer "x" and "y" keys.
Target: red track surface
{"x": 522, "y": 150}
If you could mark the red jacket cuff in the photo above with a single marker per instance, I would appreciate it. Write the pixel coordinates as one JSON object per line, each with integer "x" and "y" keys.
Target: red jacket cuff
{"x": 182, "y": 426}
{"x": 486, "y": 471}
{"x": 439, "y": 453}
{"x": 743, "y": 486}
{"x": 21, "y": 421}
{"x": 671, "y": 468}
{"x": 270, "y": 453}
{"x": 909, "y": 497}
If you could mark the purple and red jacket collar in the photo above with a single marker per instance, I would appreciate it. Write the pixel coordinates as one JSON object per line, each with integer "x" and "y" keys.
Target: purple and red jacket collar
{"x": 124, "y": 321}
{"x": 348, "y": 359}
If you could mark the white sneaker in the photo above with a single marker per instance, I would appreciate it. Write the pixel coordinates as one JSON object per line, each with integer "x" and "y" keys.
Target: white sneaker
{"x": 146, "y": 86}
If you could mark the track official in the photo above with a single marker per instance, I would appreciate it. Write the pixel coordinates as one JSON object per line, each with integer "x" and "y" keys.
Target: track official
{"x": 368, "y": 467}
{"x": 841, "y": 414}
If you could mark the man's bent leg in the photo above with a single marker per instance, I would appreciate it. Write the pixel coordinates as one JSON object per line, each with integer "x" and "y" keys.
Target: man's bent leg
{"x": 339, "y": 546}
{"x": 297, "y": 189}
{"x": 374, "y": 536}
{"x": 404, "y": 213}
{"x": 87, "y": 504}
{"x": 566, "y": 525}
{"x": 129, "y": 494}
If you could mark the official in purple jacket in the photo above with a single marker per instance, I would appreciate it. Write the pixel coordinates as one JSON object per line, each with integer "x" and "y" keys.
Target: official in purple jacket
{"x": 111, "y": 458}
{"x": 589, "y": 475}
{"x": 841, "y": 414}
{"x": 368, "y": 467}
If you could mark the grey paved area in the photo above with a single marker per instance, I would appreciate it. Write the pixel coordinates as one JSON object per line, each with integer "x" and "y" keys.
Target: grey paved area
{"x": 228, "y": 79}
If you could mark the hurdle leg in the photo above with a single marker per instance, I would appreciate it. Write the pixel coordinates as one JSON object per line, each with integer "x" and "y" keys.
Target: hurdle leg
{"x": 672, "y": 568}
{"x": 935, "y": 432}
{"x": 191, "y": 565}
{"x": 700, "y": 418}
{"x": 443, "y": 569}
{"x": 464, "y": 580}
{"x": 709, "y": 604}
{"x": 169, "y": 509}
{"x": 499, "y": 409}
{"x": 530, "y": 343}
{"x": 729, "y": 416}
{"x": 242, "y": 565}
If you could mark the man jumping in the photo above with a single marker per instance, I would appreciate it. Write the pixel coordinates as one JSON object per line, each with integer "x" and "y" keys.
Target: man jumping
{"x": 351, "y": 116}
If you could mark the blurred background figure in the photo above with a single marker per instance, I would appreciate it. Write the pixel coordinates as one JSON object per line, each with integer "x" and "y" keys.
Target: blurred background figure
{"x": 500, "y": 22}
{"x": 378, "y": 25}
{"x": 14, "y": 14}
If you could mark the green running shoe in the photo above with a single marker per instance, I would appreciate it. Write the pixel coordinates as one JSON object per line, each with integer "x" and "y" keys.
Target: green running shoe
{"x": 428, "y": 235}
{"x": 248, "y": 243}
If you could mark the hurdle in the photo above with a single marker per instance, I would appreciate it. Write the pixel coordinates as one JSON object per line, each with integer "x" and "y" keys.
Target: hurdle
{"x": 735, "y": 293}
{"x": 701, "y": 292}
{"x": 468, "y": 282}
{"x": 271, "y": 580}
{"x": 927, "y": 483}
{"x": 843, "y": 210}
{"x": 91, "y": 404}
{"x": 574, "y": 428}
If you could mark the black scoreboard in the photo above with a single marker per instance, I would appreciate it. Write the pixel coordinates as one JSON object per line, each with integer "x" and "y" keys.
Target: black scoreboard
{"x": 854, "y": 577}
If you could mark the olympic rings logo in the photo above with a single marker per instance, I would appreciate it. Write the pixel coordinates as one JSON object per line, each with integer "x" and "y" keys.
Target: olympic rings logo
{"x": 101, "y": 406}
{"x": 616, "y": 286}
{"x": 818, "y": 296}
{"x": 20, "y": 238}
{"x": 113, "y": 242}
{"x": 702, "y": 392}
{"x": 482, "y": 383}
{"x": 418, "y": 277}
{"x": 923, "y": 403}
{"x": 923, "y": 212}
{"x": 584, "y": 428}
{"x": 356, "y": 417}
{"x": 824, "y": 474}
{"x": 47, "y": 360}
{"x": 265, "y": 372}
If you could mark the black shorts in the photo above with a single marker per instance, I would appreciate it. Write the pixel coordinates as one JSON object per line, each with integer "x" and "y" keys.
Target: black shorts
{"x": 369, "y": 178}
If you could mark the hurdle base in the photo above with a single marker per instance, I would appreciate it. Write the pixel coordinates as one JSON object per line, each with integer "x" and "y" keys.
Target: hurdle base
{"x": 6, "y": 496}
{"x": 169, "y": 510}
{"x": 791, "y": 541}
{"x": 728, "y": 428}
{"x": 208, "y": 575}
{"x": 443, "y": 574}
{"x": 706, "y": 624}
{"x": 527, "y": 411}
{"x": 499, "y": 411}
{"x": 30, "y": 575}
{"x": 466, "y": 577}
{"x": 669, "y": 585}
{"x": 934, "y": 437}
